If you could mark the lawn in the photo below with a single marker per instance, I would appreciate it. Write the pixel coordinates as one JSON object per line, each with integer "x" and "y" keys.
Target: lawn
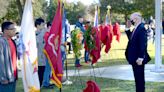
{"x": 106, "y": 85}
{"x": 114, "y": 57}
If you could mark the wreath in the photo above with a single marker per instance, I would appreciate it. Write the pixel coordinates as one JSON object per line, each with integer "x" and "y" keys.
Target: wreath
{"x": 89, "y": 37}
{"x": 76, "y": 39}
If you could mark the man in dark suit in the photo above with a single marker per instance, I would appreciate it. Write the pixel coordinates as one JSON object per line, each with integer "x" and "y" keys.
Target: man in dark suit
{"x": 136, "y": 51}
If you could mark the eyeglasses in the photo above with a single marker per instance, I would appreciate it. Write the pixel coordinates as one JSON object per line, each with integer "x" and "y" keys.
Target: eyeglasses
{"x": 11, "y": 29}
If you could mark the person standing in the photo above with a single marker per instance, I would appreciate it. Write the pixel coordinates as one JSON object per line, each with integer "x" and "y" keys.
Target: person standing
{"x": 68, "y": 36}
{"x": 79, "y": 25}
{"x": 8, "y": 58}
{"x": 40, "y": 25}
{"x": 47, "y": 71}
{"x": 136, "y": 51}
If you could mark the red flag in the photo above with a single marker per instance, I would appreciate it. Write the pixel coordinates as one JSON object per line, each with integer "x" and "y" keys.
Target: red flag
{"x": 101, "y": 32}
{"x": 107, "y": 39}
{"x": 110, "y": 37}
{"x": 52, "y": 48}
{"x": 95, "y": 53}
{"x": 46, "y": 36}
{"x": 106, "y": 36}
{"x": 116, "y": 31}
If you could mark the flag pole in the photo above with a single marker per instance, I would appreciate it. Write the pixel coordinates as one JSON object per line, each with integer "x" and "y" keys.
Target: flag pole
{"x": 66, "y": 64}
{"x": 92, "y": 66}
{"x": 65, "y": 49}
{"x": 67, "y": 82}
{"x": 60, "y": 89}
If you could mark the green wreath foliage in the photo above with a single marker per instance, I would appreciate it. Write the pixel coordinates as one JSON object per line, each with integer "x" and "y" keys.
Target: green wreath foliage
{"x": 76, "y": 39}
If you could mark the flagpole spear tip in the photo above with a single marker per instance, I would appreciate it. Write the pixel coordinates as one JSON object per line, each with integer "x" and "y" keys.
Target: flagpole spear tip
{"x": 108, "y": 7}
{"x": 96, "y": 7}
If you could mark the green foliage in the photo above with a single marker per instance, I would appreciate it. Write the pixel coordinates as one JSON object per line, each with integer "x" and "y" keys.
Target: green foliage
{"x": 117, "y": 6}
{"x": 88, "y": 36}
{"x": 10, "y": 9}
{"x": 12, "y": 12}
{"x": 146, "y": 7}
{"x": 73, "y": 10}
{"x": 3, "y": 8}
{"x": 126, "y": 7}
{"x": 51, "y": 10}
{"x": 118, "y": 17}
{"x": 37, "y": 8}
{"x": 76, "y": 42}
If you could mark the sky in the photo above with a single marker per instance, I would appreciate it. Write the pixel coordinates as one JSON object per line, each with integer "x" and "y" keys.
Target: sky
{"x": 85, "y": 2}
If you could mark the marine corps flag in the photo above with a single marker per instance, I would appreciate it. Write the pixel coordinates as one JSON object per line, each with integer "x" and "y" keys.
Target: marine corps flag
{"x": 52, "y": 47}
{"x": 28, "y": 51}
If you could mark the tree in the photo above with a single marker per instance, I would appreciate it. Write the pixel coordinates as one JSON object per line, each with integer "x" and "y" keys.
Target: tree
{"x": 72, "y": 10}
{"x": 38, "y": 6}
{"x": 3, "y": 8}
{"x": 118, "y": 6}
{"x": 13, "y": 9}
{"x": 146, "y": 7}
{"x": 12, "y": 12}
{"x": 51, "y": 10}
{"x": 19, "y": 5}
{"x": 126, "y": 7}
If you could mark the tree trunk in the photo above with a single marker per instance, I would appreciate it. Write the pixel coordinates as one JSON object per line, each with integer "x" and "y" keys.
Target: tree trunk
{"x": 20, "y": 8}
{"x": 24, "y": 1}
{"x": 126, "y": 18}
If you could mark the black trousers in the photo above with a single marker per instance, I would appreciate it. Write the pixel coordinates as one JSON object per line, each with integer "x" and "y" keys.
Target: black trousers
{"x": 40, "y": 74}
{"x": 139, "y": 75}
{"x": 69, "y": 46}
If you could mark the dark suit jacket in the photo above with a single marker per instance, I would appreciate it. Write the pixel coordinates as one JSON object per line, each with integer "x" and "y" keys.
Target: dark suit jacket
{"x": 137, "y": 45}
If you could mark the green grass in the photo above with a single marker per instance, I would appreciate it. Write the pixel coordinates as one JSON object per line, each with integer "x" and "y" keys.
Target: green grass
{"x": 106, "y": 85}
{"x": 114, "y": 57}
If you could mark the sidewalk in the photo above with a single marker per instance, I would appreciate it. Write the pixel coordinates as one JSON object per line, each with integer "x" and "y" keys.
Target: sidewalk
{"x": 123, "y": 72}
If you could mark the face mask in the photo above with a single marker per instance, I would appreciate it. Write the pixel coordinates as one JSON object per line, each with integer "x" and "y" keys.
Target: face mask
{"x": 132, "y": 22}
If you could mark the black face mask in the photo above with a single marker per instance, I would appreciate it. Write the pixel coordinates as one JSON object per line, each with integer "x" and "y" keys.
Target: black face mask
{"x": 132, "y": 22}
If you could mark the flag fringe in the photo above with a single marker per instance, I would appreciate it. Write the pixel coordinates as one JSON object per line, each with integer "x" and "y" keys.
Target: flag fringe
{"x": 56, "y": 81}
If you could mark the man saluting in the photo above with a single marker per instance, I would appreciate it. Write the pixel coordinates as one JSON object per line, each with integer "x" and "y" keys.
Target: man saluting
{"x": 136, "y": 51}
